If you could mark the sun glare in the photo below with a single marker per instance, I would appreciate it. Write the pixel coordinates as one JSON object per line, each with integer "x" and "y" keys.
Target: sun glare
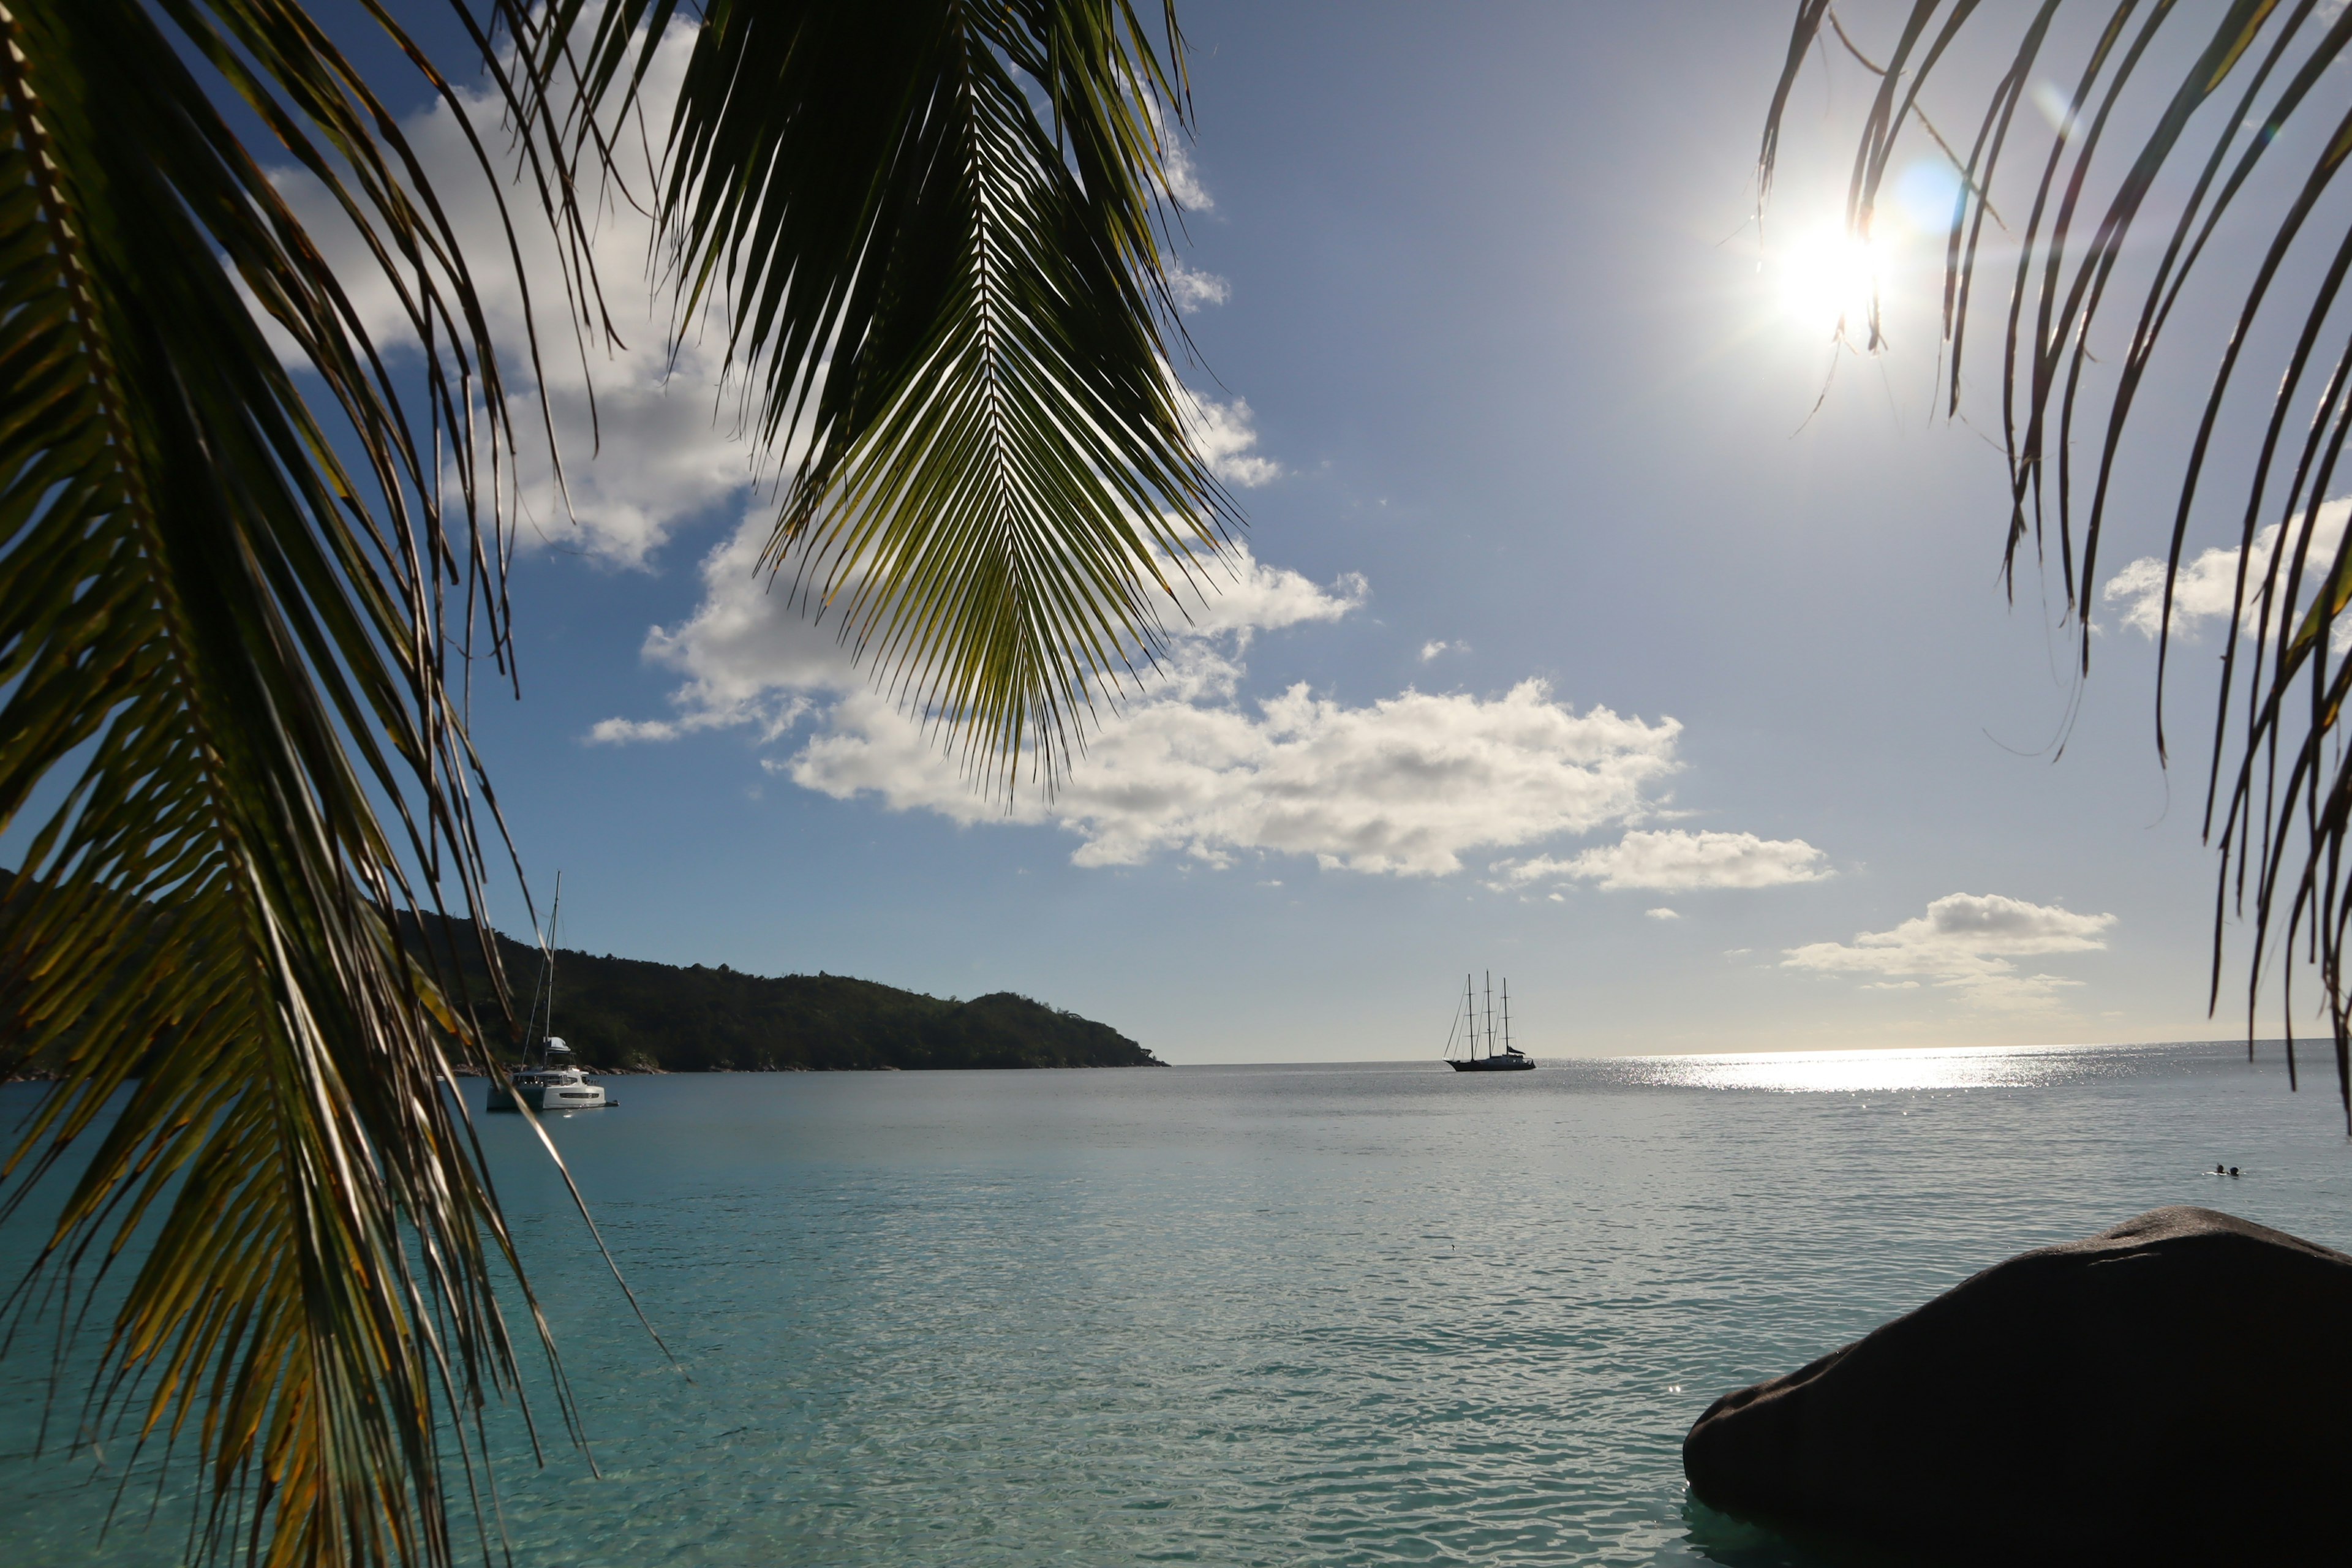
{"x": 1828, "y": 280}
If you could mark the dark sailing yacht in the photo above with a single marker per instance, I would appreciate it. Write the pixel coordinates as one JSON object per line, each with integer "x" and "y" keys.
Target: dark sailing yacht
{"x": 1477, "y": 1036}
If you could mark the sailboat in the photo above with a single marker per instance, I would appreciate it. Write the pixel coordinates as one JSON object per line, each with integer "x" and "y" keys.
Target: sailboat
{"x": 1480, "y": 1053}
{"x": 555, "y": 1080}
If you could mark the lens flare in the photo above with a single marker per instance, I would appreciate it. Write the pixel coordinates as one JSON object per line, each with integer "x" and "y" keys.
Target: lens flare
{"x": 1830, "y": 282}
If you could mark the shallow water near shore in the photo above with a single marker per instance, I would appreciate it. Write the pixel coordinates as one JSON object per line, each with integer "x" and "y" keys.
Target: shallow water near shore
{"x": 1318, "y": 1314}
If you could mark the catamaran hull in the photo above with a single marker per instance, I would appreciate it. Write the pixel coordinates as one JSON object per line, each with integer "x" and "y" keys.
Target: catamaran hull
{"x": 1495, "y": 1064}
{"x": 543, "y": 1098}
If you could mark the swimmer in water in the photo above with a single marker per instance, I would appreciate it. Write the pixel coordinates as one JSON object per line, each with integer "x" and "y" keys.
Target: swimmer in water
{"x": 2216, "y": 1170}
{"x": 2233, "y": 1170}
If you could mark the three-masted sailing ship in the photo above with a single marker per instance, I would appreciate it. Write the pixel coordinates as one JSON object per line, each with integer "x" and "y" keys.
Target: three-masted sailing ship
{"x": 1474, "y": 1035}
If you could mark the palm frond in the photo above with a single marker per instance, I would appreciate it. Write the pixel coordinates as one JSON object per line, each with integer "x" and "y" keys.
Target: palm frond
{"x": 935, "y": 227}
{"x": 220, "y": 649}
{"x": 2279, "y": 796}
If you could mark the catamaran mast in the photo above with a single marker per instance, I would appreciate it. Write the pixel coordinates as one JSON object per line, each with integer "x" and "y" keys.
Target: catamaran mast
{"x": 547, "y": 979}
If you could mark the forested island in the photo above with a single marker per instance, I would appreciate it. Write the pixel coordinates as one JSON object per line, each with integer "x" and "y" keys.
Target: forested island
{"x": 629, "y": 1015}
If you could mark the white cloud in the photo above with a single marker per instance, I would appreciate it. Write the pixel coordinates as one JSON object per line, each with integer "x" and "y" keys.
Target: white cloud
{"x": 750, "y": 655}
{"x": 1662, "y": 914}
{"x": 2207, "y": 586}
{"x": 663, "y": 443}
{"x": 1406, "y": 785}
{"x": 1241, "y": 595}
{"x": 1677, "y": 859}
{"x": 1429, "y": 650}
{"x": 1964, "y": 941}
{"x": 1226, "y": 438}
{"x": 1176, "y": 159}
{"x": 1192, "y": 289}
{"x": 666, "y": 441}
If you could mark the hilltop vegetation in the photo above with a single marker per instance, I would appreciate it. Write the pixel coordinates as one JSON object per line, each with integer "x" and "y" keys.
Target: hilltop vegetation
{"x": 630, "y": 1013}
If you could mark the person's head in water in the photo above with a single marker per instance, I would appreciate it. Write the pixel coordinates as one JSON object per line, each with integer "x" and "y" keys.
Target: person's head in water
{"x": 2233, "y": 1170}
{"x": 2216, "y": 1169}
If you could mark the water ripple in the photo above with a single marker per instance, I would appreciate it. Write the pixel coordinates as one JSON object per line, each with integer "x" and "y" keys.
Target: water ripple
{"x": 1334, "y": 1316}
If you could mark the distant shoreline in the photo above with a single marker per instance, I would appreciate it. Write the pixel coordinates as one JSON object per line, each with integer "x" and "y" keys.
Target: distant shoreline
{"x": 468, "y": 1072}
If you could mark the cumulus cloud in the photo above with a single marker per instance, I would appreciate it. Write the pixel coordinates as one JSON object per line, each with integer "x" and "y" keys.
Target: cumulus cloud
{"x": 1176, "y": 159}
{"x": 751, "y": 658}
{"x": 1429, "y": 650}
{"x": 1969, "y": 941}
{"x": 1241, "y": 595}
{"x": 1662, "y": 914}
{"x": 661, "y": 443}
{"x": 664, "y": 441}
{"x": 1194, "y": 288}
{"x": 1406, "y": 785}
{"x": 1673, "y": 859}
{"x": 2207, "y": 586}
{"x": 754, "y": 656}
{"x": 1227, "y": 440}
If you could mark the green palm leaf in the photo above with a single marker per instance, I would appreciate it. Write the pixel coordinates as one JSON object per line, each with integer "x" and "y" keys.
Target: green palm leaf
{"x": 934, "y": 223}
{"x": 231, "y": 721}
{"x": 220, "y": 649}
{"x": 2279, "y": 798}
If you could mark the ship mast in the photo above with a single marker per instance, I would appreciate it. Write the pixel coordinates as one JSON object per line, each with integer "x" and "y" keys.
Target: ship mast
{"x": 1506, "y": 1013}
{"x": 537, "y": 1037}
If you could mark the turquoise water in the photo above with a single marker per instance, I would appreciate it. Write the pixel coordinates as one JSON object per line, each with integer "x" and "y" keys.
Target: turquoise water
{"x": 1364, "y": 1314}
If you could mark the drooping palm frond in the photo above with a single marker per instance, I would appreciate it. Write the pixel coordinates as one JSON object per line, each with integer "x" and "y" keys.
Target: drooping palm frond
{"x": 935, "y": 227}
{"x": 223, "y": 654}
{"x": 2208, "y": 90}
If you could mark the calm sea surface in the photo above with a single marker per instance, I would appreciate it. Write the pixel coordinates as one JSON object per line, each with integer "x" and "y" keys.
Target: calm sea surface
{"x": 1362, "y": 1314}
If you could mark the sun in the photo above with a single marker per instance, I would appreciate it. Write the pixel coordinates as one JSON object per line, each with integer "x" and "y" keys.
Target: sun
{"x": 1828, "y": 281}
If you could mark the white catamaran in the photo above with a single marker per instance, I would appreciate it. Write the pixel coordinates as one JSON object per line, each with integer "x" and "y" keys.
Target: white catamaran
{"x": 1475, "y": 1035}
{"x": 555, "y": 1081}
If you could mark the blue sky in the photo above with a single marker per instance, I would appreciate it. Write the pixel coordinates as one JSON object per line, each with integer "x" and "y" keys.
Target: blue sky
{"x": 1572, "y": 641}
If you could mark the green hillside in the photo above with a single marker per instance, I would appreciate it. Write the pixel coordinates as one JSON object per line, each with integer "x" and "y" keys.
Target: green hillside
{"x": 626, "y": 1013}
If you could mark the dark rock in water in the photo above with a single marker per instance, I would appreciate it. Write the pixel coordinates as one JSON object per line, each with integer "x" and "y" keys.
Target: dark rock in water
{"x": 2177, "y": 1389}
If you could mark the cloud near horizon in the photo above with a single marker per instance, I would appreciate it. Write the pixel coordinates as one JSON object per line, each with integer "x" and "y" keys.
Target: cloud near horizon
{"x": 1675, "y": 859}
{"x": 1404, "y": 785}
{"x": 1965, "y": 941}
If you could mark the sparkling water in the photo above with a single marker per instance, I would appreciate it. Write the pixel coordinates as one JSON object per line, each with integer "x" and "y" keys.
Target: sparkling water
{"x": 1280, "y": 1315}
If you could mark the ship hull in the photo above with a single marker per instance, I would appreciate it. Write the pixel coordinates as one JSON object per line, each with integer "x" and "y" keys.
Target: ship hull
{"x": 544, "y": 1097}
{"x": 1495, "y": 1064}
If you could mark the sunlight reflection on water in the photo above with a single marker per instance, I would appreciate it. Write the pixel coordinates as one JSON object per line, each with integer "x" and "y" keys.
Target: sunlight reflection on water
{"x": 1885, "y": 1071}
